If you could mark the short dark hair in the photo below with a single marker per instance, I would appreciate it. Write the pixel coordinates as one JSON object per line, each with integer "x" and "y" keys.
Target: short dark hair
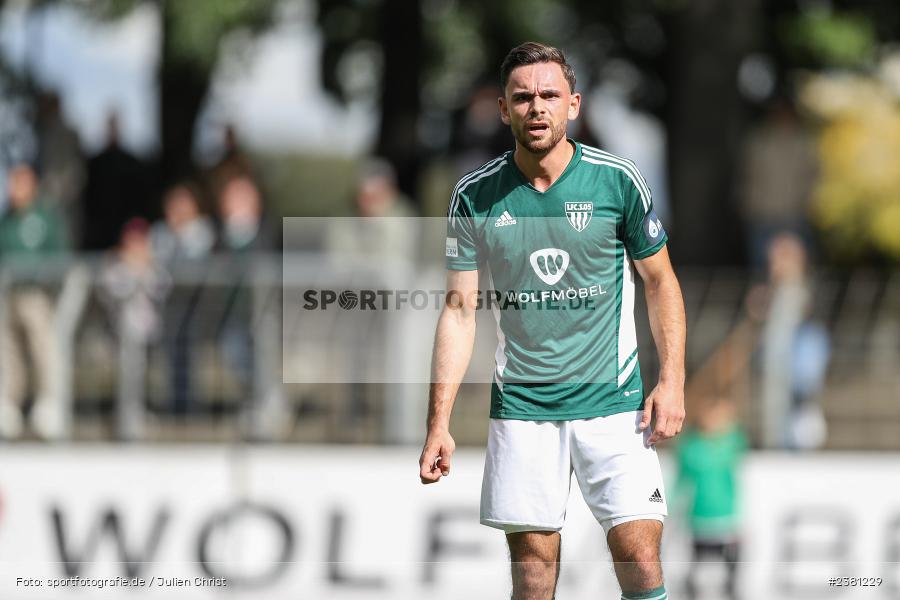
{"x": 531, "y": 53}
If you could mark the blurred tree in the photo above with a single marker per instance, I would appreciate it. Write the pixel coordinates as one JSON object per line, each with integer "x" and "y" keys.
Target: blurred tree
{"x": 851, "y": 85}
{"x": 426, "y": 57}
{"x": 16, "y": 98}
{"x": 856, "y": 204}
{"x": 18, "y": 139}
{"x": 706, "y": 115}
{"x": 191, "y": 33}
{"x": 376, "y": 49}
{"x": 686, "y": 55}
{"x": 421, "y": 59}
{"x": 400, "y": 24}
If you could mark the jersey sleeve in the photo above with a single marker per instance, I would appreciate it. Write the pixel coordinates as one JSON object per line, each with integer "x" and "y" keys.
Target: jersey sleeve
{"x": 643, "y": 233}
{"x": 462, "y": 245}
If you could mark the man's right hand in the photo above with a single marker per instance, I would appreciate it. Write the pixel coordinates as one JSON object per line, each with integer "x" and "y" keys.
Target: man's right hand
{"x": 435, "y": 460}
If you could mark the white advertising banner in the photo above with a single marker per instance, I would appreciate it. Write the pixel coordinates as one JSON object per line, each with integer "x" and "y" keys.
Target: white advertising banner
{"x": 354, "y": 523}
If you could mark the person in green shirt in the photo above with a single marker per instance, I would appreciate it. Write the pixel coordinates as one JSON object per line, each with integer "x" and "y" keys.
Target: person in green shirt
{"x": 31, "y": 231}
{"x": 709, "y": 456}
{"x": 31, "y": 236}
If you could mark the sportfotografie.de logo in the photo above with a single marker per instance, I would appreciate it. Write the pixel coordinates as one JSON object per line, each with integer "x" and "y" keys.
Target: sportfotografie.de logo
{"x": 387, "y": 299}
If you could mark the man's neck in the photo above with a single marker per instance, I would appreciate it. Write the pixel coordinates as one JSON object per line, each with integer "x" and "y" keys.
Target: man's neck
{"x": 542, "y": 170}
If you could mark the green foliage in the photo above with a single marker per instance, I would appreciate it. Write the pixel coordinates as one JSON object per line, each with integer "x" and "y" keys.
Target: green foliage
{"x": 457, "y": 58}
{"x": 856, "y": 206}
{"x": 194, "y": 28}
{"x": 346, "y": 26}
{"x": 108, "y": 9}
{"x": 467, "y": 41}
{"x": 198, "y": 26}
{"x": 831, "y": 39}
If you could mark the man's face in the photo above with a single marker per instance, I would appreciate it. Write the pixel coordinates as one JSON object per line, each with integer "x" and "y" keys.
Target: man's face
{"x": 537, "y": 105}
{"x": 180, "y": 208}
{"x": 21, "y": 187}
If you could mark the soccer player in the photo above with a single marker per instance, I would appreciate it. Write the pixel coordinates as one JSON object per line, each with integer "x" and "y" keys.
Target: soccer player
{"x": 559, "y": 229}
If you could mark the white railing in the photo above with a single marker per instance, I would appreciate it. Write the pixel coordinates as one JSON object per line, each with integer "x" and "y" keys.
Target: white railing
{"x": 860, "y": 309}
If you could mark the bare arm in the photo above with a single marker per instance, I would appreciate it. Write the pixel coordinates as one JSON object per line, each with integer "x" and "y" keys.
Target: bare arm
{"x": 453, "y": 343}
{"x": 665, "y": 308}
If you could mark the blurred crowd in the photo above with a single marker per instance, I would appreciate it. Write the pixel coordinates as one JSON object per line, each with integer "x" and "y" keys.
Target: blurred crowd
{"x": 61, "y": 205}
{"x": 152, "y": 246}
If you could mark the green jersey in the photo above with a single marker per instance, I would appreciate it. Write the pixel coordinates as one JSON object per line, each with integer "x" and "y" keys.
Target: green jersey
{"x": 708, "y": 480}
{"x": 561, "y": 279}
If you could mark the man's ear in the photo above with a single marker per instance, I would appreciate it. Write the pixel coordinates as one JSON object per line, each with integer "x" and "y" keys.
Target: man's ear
{"x": 574, "y": 106}
{"x": 504, "y": 110}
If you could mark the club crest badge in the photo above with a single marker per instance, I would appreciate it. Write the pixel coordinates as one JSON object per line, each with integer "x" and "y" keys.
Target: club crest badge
{"x": 579, "y": 214}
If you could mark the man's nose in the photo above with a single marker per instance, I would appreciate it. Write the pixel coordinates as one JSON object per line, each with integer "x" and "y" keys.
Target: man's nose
{"x": 538, "y": 106}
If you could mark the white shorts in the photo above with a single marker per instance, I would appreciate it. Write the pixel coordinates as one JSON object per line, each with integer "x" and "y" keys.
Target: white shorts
{"x": 529, "y": 465}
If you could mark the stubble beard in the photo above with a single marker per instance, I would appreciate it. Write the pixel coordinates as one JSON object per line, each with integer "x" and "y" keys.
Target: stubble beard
{"x": 542, "y": 147}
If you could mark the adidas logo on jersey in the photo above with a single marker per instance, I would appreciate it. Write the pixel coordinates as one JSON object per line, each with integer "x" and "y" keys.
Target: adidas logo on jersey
{"x": 656, "y": 496}
{"x": 505, "y": 219}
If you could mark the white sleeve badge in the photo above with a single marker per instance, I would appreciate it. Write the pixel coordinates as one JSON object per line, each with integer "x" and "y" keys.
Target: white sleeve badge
{"x": 452, "y": 247}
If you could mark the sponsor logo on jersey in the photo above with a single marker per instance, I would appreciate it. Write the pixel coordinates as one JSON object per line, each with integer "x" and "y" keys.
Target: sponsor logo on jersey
{"x": 656, "y": 496}
{"x": 653, "y": 228}
{"x": 505, "y": 219}
{"x": 579, "y": 214}
{"x": 452, "y": 247}
{"x": 549, "y": 264}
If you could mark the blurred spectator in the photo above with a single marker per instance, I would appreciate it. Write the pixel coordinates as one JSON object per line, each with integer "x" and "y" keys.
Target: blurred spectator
{"x": 60, "y": 162}
{"x": 118, "y": 188}
{"x": 184, "y": 232}
{"x": 243, "y": 233}
{"x": 778, "y": 173}
{"x": 232, "y": 164}
{"x": 31, "y": 235}
{"x": 795, "y": 352}
{"x": 241, "y": 212}
{"x": 709, "y": 455}
{"x": 377, "y": 194}
{"x": 183, "y": 240}
{"x": 379, "y": 243}
{"x": 133, "y": 288}
{"x": 382, "y": 231}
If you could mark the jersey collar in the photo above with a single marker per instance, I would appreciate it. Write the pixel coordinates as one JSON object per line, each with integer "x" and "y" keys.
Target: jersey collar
{"x": 573, "y": 162}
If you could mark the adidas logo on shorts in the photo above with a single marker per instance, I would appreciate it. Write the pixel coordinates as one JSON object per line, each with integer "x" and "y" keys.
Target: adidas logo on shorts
{"x": 656, "y": 496}
{"x": 505, "y": 219}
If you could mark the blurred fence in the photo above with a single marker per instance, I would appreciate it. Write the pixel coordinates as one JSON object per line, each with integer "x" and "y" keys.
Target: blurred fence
{"x": 859, "y": 310}
{"x": 204, "y": 365}
{"x": 221, "y": 325}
